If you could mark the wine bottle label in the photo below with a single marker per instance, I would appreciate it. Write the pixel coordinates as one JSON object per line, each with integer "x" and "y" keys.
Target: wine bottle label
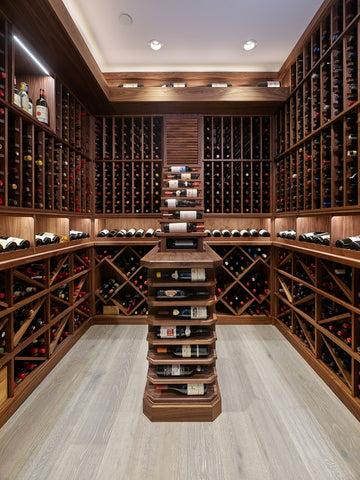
{"x": 175, "y": 370}
{"x": 167, "y": 332}
{"x": 177, "y": 227}
{"x": 199, "y": 313}
{"x": 42, "y": 114}
{"x": 191, "y": 192}
{"x": 171, "y": 202}
{"x": 177, "y": 169}
{"x": 186, "y": 351}
{"x": 186, "y": 176}
{"x": 17, "y": 99}
{"x": 173, "y": 183}
{"x": 198, "y": 275}
{"x": 170, "y": 293}
{"x": 188, "y": 214}
{"x": 195, "y": 389}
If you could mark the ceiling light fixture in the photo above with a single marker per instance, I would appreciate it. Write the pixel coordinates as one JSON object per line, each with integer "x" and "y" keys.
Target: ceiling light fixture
{"x": 125, "y": 19}
{"x": 155, "y": 44}
{"x": 249, "y": 44}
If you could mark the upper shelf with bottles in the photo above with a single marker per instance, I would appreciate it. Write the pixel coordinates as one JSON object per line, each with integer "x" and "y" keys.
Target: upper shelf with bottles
{"x": 29, "y": 89}
{"x": 323, "y": 79}
{"x": 45, "y": 147}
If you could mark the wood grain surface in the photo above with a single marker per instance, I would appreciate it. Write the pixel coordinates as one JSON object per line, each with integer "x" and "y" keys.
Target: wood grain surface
{"x": 279, "y": 421}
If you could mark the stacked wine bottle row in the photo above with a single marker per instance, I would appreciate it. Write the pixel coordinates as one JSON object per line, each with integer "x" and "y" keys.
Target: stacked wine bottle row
{"x": 42, "y": 304}
{"x": 128, "y": 138}
{"x": 317, "y": 128}
{"x": 128, "y": 187}
{"x": 237, "y": 187}
{"x": 318, "y": 306}
{"x": 72, "y": 121}
{"x": 181, "y": 303}
{"x": 41, "y": 173}
{"x": 322, "y": 172}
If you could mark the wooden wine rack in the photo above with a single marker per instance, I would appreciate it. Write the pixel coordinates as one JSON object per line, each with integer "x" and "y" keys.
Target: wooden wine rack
{"x": 159, "y": 405}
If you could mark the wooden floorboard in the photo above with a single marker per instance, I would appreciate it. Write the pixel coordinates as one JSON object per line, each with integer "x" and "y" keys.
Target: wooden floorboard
{"x": 279, "y": 420}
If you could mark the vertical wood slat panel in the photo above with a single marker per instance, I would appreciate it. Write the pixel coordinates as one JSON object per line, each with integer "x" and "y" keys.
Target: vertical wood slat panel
{"x": 181, "y": 140}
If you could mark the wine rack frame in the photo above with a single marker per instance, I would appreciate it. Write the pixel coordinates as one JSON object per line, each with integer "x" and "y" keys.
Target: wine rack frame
{"x": 67, "y": 146}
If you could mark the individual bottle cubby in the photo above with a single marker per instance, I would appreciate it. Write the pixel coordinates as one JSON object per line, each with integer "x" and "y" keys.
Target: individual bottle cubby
{"x": 128, "y": 138}
{"x": 121, "y": 281}
{"x": 236, "y": 138}
{"x": 128, "y": 187}
{"x": 237, "y": 187}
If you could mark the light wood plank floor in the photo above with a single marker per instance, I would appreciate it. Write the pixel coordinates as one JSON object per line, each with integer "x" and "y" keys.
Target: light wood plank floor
{"x": 85, "y": 421}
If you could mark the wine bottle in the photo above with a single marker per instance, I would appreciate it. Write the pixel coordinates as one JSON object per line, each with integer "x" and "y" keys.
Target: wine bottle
{"x": 193, "y": 275}
{"x": 187, "y": 389}
{"x": 149, "y": 232}
{"x": 352, "y": 243}
{"x": 24, "y": 97}
{"x": 184, "y": 214}
{"x": 187, "y": 192}
{"x": 131, "y": 232}
{"x": 216, "y": 232}
{"x": 173, "y": 332}
{"x": 41, "y": 109}
{"x": 139, "y": 232}
{"x": 178, "y": 370}
{"x": 109, "y": 288}
{"x": 182, "y": 169}
{"x": 182, "y": 184}
{"x": 179, "y": 294}
{"x": 263, "y": 233}
{"x": 235, "y": 233}
{"x": 244, "y": 233}
{"x": 7, "y": 245}
{"x": 253, "y": 232}
{"x": 183, "y": 176}
{"x": 172, "y": 203}
{"x": 17, "y": 98}
{"x": 198, "y": 313}
{"x": 225, "y": 232}
{"x": 20, "y": 242}
{"x": 46, "y": 238}
{"x": 185, "y": 351}
{"x": 182, "y": 227}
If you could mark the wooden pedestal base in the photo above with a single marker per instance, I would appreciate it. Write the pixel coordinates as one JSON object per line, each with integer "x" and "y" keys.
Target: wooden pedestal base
{"x": 172, "y": 408}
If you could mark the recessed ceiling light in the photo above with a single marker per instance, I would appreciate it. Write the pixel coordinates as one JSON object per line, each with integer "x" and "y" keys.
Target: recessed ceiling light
{"x": 125, "y": 19}
{"x": 250, "y": 44}
{"x": 155, "y": 44}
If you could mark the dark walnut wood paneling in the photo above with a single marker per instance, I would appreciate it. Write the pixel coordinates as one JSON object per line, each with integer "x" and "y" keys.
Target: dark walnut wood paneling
{"x": 181, "y": 140}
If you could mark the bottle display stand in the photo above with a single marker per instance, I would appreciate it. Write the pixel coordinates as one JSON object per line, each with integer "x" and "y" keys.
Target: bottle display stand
{"x": 182, "y": 380}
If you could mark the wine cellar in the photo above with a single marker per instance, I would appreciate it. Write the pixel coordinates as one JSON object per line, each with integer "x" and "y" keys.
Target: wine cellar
{"x": 113, "y": 202}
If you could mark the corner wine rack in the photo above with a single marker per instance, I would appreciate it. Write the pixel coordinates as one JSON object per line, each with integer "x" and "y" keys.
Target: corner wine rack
{"x": 174, "y": 306}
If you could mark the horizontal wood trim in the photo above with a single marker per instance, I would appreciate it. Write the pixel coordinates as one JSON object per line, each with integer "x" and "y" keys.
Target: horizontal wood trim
{"x": 270, "y": 95}
{"x": 192, "y": 79}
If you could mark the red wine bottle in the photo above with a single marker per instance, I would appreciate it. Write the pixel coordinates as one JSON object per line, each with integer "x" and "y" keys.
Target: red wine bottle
{"x": 185, "y": 351}
{"x": 192, "y": 274}
{"x": 198, "y": 313}
{"x": 187, "y": 389}
{"x": 179, "y": 294}
{"x": 182, "y": 169}
{"x": 178, "y": 370}
{"x": 182, "y": 227}
{"x": 186, "y": 192}
{"x": 168, "y": 331}
{"x": 184, "y": 214}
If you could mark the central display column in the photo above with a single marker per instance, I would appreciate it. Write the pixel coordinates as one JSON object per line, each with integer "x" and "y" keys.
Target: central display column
{"x": 182, "y": 380}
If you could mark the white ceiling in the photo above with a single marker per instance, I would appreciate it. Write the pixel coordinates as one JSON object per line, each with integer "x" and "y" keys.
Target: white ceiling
{"x": 198, "y": 35}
